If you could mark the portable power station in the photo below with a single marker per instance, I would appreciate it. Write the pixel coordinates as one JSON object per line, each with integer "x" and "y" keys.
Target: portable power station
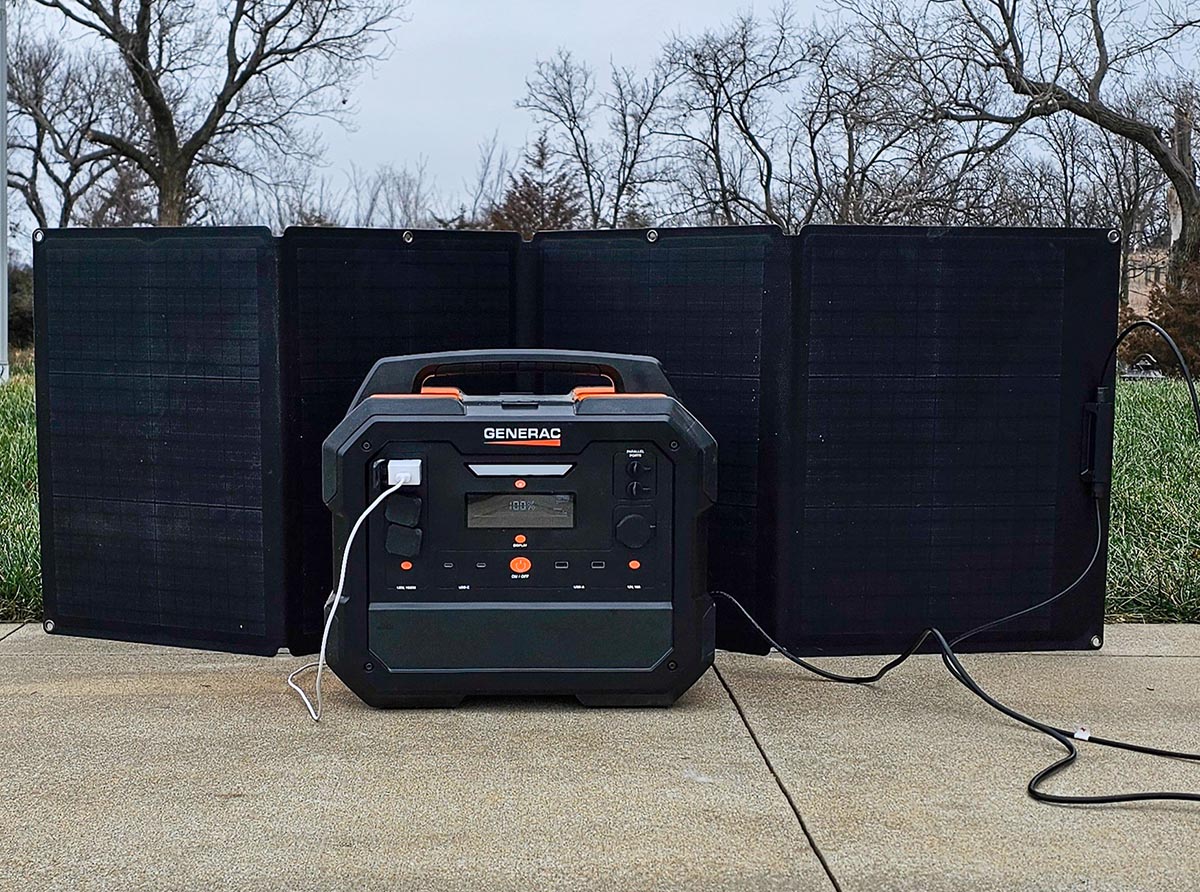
{"x": 533, "y": 544}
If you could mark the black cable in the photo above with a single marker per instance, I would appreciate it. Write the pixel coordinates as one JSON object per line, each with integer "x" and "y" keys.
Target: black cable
{"x": 920, "y": 639}
{"x": 1183, "y": 366}
{"x": 1067, "y": 740}
{"x": 950, "y": 659}
{"x": 956, "y": 669}
{"x": 1046, "y": 603}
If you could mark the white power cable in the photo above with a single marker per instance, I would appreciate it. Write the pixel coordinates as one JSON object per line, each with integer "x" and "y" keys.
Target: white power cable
{"x": 336, "y": 598}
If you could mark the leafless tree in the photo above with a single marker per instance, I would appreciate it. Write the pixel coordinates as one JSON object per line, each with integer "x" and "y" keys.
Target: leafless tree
{"x": 1128, "y": 191}
{"x": 1004, "y": 63}
{"x": 727, "y": 121}
{"x": 614, "y": 159}
{"x": 868, "y": 158}
{"x": 392, "y": 197}
{"x": 300, "y": 197}
{"x": 491, "y": 175}
{"x": 123, "y": 198}
{"x": 1069, "y": 144}
{"x": 224, "y": 87}
{"x": 484, "y": 191}
{"x": 54, "y": 98}
{"x": 768, "y": 123}
{"x": 389, "y": 196}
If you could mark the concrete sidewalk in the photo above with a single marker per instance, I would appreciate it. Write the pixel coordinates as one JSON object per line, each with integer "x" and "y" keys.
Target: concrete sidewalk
{"x": 134, "y": 767}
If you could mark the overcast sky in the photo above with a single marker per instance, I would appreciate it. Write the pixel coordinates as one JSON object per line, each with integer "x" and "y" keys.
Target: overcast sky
{"x": 459, "y": 65}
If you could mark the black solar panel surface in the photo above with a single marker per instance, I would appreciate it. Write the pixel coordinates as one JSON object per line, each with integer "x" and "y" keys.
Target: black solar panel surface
{"x": 693, "y": 299}
{"x": 155, "y": 362}
{"x": 941, "y": 435}
{"x": 357, "y": 296}
{"x": 898, "y": 411}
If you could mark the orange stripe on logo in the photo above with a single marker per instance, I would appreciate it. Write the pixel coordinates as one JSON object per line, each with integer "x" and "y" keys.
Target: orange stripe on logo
{"x": 524, "y": 442}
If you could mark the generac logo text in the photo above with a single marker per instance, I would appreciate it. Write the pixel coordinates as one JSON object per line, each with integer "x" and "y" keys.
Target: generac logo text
{"x": 523, "y": 436}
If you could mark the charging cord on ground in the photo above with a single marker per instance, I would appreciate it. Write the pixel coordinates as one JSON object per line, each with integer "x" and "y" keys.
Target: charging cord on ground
{"x": 952, "y": 663}
{"x": 335, "y": 600}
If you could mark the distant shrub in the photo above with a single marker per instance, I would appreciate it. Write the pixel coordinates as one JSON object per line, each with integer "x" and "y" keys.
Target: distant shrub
{"x": 1177, "y": 309}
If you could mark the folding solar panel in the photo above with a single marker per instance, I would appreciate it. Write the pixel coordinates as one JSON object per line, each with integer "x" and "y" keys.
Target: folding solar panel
{"x": 930, "y": 436}
{"x": 159, "y": 441}
{"x": 697, "y": 299}
{"x": 351, "y": 297}
{"x": 899, "y": 412}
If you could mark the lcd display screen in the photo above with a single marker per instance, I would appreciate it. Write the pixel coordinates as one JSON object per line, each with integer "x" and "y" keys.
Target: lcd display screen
{"x": 543, "y": 510}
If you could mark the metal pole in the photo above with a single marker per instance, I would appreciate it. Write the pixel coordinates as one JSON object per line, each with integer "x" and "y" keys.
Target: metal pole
{"x": 4, "y": 189}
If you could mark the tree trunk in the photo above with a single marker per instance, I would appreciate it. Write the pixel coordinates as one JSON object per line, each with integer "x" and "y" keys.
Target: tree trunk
{"x": 173, "y": 198}
{"x": 1185, "y": 250}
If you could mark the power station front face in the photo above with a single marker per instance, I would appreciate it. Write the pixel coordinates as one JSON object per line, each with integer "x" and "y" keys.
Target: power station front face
{"x": 544, "y": 563}
{"x": 560, "y": 559}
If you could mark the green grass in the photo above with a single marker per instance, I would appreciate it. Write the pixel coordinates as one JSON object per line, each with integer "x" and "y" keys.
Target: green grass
{"x": 1154, "y": 534}
{"x": 20, "y": 558}
{"x": 1154, "y": 541}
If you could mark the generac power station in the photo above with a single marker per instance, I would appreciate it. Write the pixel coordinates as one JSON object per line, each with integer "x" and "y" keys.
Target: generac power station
{"x": 530, "y": 544}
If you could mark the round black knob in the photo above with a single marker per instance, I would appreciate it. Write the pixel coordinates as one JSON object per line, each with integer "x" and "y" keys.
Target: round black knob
{"x": 633, "y": 530}
{"x": 638, "y": 469}
{"x": 637, "y": 490}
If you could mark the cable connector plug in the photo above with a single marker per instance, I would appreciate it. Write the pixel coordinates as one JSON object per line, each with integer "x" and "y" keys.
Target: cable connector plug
{"x": 1097, "y": 456}
{"x": 404, "y": 472}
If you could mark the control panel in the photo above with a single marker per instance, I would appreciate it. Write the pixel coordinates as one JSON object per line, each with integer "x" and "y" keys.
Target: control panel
{"x": 596, "y": 527}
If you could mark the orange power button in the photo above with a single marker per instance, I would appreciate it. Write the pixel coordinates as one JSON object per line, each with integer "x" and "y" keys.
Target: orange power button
{"x": 520, "y": 564}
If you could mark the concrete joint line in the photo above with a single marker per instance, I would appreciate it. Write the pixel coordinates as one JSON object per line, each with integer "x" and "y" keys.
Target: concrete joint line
{"x": 778, "y": 780}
